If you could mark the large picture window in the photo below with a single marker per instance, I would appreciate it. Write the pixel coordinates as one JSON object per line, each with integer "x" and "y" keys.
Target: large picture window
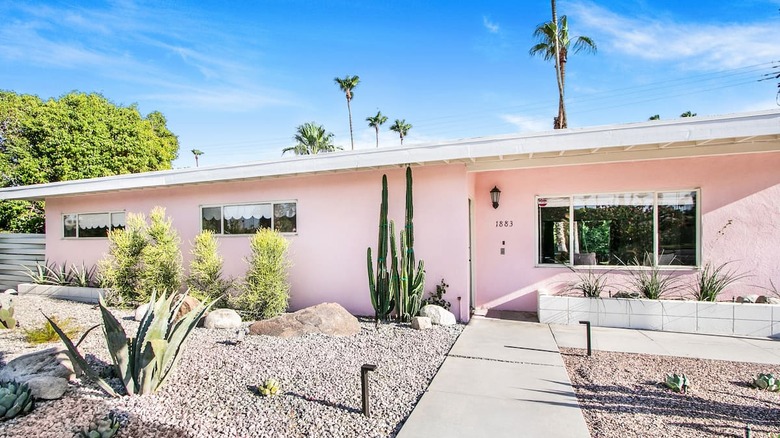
{"x": 619, "y": 229}
{"x": 83, "y": 225}
{"x": 249, "y": 218}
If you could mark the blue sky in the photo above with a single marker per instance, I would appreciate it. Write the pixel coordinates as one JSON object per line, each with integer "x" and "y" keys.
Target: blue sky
{"x": 234, "y": 79}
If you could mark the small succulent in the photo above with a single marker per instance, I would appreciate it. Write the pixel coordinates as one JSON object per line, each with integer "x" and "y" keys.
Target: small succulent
{"x": 7, "y": 320}
{"x": 104, "y": 428}
{"x": 268, "y": 388}
{"x": 15, "y": 399}
{"x": 767, "y": 381}
{"x": 677, "y": 382}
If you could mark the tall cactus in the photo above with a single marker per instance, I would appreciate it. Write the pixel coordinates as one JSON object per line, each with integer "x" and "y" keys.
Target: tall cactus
{"x": 381, "y": 288}
{"x": 411, "y": 281}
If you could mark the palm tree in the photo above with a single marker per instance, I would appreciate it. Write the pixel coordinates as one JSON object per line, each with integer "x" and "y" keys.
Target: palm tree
{"x": 311, "y": 138}
{"x": 347, "y": 84}
{"x": 688, "y": 114}
{"x": 375, "y": 122}
{"x": 197, "y": 153}
{"x": 402, "y": 128}
{"x": 554, "y": 44}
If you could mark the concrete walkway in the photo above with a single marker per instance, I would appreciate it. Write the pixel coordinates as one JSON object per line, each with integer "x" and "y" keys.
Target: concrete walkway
{"x": 501, "y": 379}
{"x": 507, "y": 379}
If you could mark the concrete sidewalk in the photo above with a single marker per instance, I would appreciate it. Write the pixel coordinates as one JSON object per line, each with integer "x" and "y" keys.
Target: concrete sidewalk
{"x": 734, "y": 348}
{"x": 501, "y": 379}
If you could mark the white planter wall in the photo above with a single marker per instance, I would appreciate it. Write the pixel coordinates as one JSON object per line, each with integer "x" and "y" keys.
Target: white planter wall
{"x": 83, "y": 294}
{"x": 744, "y": 319}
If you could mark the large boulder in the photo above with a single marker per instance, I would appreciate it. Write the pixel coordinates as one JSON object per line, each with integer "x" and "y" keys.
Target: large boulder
{"x": 189, "y": 304}
{"x": 53, "y": 362}
{"x": 222, "y": 319}
{"x": 326, "y": 318}
{"x": 47, "y": 387}
{"x": 421, "y": 323}
{"x": 140, "y": 312}
{"x": 439, "y": 315}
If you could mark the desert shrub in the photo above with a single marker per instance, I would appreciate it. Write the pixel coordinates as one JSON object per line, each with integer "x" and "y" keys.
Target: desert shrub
{"x": 712, "y": 280}
{"x": 161, "y": 257}
{"x": 589, "y": 283}
{"x": 649, "y": 280}
{"x": 265, "y": 289}
{"x": 437, "y": 298}
{"x": 46, "y": 333}
{"x": 205, "y": 280}
{"x": 141, "y": 258}
{"x": 120, "y": 270}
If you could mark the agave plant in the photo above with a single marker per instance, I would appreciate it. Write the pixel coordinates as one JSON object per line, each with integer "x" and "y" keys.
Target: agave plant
{"x": 766, "y": 382}
{"x": 82, "y": 276}
{"x": 39, "y": 275}
{"x": 677, "y": 382}
{"x": 15, "y": 399}
{"x": 268, "y": 388}
{"x": 106, "y": 427}
{"x": 145, "y": 361}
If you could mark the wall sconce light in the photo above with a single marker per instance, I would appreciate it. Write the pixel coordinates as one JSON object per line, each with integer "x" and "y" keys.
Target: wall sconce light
{"x": 495, "y": 194}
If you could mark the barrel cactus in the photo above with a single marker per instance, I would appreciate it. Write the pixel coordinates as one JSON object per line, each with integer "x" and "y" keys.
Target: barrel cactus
{"x": 15, "y": 399}
{"x": 677, "y": 382}
{"x": 268, "y": 388}
{"x": 103, "y": 428}
{"x": 767, "y": 382}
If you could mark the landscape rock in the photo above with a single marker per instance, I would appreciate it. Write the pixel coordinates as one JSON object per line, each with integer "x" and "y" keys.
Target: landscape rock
{"x": 326, "y": 318}
{"x": 748, "y": 299}
{"x": 772, "y": 300}
{"x": 10, "y": 292}
{"x": 624, "y": 294}
{"x": 421, "y": 323}
{"x": 761, "y": 299}
{"x": 53, "y": 362}
{"x": 439, "y": 315}
{"x": 189, "y": 304}
{"x": 47, "y": 387}
{"x": 140, "y": 312}
{"x": 222, "y": 319}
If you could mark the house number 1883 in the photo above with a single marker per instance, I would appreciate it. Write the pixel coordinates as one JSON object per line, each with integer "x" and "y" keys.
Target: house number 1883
{"x": 504, "y": 224}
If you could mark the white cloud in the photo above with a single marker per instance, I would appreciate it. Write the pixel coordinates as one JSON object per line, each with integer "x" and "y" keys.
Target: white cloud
{"x": 489, "y": 25}
{"x": 704, "y": 46}
{"x": 528, "y": 124}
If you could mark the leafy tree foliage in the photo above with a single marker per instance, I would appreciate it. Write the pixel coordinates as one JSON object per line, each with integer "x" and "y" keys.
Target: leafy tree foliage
{"x": 375, "y": 122}
{"x": 402, "y": 128}
{"x": 77, "y": 136}
{"x": 311, "y": 138}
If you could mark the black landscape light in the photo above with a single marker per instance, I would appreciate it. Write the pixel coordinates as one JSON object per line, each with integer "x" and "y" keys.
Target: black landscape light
{"x": 364, "y": 385}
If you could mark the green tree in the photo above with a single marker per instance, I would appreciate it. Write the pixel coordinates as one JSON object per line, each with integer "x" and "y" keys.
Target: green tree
{"x": 310, "y": 139}
{"x": 197, "y": 153}
{"x": 266, "y": 289}
{"x": 375, "y": 122}
{"x": 554, "y": 44}
{"x": 402, "y": 128}
{"x": 76, "y": 136}
{"x": 347, "y": 84}
{"x": 688, "y": 114}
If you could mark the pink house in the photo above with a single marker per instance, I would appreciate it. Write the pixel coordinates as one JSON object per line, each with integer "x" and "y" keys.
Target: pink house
{"x": 679, "y": 193}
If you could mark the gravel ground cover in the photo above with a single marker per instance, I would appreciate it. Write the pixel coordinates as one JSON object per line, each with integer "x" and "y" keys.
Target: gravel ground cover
{"x": 620, "y": 396}
{"x": 210, "y": 393}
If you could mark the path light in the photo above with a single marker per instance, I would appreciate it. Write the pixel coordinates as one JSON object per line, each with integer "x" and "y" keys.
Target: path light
{"x": 495, "y": 194}
{"x": 587, "y": 327}
{"x": 364, "y": 385}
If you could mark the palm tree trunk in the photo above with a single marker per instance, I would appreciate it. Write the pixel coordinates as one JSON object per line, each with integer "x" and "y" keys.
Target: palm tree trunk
{"x": 560, "y": 121}
{"x": 377, "y": 135}
{"x": 196, "y": 161}
{"x": 402, "y": 140}
{"x": 351, "y": 138}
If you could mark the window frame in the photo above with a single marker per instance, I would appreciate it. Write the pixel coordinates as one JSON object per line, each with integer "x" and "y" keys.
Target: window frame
{"x": 239, "y": 204}
{"x": 110, "y": 214}
{"x": 655, "y": 193}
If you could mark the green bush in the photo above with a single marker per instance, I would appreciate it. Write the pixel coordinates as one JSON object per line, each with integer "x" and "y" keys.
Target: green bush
{"x": 141, "y": 258}
{"x": 46, "y": 333}
{"x": 265, "y": 289}
{"x": 205, "y": 280}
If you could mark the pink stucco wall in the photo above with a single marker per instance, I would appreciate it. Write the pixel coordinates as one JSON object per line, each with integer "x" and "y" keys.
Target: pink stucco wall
{"x": 743, "y": 189}
{"x": 337, "y": 220}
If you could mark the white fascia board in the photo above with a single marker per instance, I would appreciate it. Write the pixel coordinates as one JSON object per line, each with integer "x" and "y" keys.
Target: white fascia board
{"x": 583, "y": 139}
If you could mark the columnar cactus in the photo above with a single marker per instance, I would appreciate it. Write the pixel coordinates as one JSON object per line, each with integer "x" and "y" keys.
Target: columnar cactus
{"x": 380, "y": 287}
{"x": 411, "y": 281}
{"x": 15, "y": 399}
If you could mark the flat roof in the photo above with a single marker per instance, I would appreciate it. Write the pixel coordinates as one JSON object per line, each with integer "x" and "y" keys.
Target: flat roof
{"x": 685, "y": 137}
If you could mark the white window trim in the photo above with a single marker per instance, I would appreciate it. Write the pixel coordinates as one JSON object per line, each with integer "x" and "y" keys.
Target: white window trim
{"x": 238, "y": 204}
{"x": 619, "y": 267}
{"x": 76, "y": 237}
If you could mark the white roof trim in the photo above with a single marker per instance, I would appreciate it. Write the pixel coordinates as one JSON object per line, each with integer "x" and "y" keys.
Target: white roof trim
{"x": 586, "y": 142}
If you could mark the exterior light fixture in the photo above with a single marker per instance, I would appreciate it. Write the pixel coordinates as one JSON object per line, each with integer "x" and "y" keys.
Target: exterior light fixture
{"x": 495, "y": 194}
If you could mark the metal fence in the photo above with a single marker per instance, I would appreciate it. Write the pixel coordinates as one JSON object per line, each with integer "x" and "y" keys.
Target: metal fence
{"x": 17, "y": 251}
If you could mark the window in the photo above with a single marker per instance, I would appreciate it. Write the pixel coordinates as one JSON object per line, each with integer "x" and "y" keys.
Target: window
{"x": 619, "y": 228}
{"x": 91, "y": 224}
{"x": 248, "y": 218}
